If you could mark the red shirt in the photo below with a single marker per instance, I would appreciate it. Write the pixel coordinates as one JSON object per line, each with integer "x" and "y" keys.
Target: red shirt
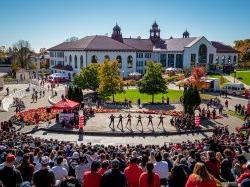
{"x": 193, "y": 182}
{"x": 133, "y": 173}
{"x": 143, "y": 181}
{"x": 91, "y": 179}
{"x": 242, "y": 177}
{"x": 102, "y": 171}
{"x": 213, "y": 168}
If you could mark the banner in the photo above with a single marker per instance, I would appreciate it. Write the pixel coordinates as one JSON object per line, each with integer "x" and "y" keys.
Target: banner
{"x": 66, "y": 117}
{"x": 197, "y": 121}
{"x": 81, "y": 122}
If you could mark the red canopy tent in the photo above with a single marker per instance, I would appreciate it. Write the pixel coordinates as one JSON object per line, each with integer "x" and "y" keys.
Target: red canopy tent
{"x": 65, "y": 104}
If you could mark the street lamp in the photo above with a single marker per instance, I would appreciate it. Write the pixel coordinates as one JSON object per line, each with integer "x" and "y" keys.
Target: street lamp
{"x": 123, "y": 74}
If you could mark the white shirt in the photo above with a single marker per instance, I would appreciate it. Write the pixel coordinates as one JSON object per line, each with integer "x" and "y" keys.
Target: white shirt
{"x": 60, "y": 172}
{"x": 161, "y": 168}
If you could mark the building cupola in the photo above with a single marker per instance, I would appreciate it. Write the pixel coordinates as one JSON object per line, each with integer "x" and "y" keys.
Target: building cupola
{"x": 185, "y": 34}
{"x": 117, "y": 35}
{"x": 155, "y": 33}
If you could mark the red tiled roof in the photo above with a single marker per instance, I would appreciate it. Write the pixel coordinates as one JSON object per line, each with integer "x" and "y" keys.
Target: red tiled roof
{"x": 139, "y": 44}
{"x": 222, "y": 48}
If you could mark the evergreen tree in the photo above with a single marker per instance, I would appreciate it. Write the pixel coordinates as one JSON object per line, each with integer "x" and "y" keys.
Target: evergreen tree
{"x": 152, "y": 82}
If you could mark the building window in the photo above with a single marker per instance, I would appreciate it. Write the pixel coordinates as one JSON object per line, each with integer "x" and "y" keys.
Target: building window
{"x": 193, "y": 60}
{"x": 52, "y": 62}
{"x": 139, "y": 55}
{"x": 70, "y": 60}
{"x": 65, "y": 59}
{"x": 147, "y": 55}
{"x": 217, "y": 59}
{"x": 130, "y": 61}
{"x": 202, "y": 54}
{"x": 119, "y": 60}
{"x": 145, "y": 63}
{"x": 51, "y": 54}
{"x": 223, "y": 59}
{"x": 211, "y": 58}
{"x": 107, "y": 58}
{"x": 229, "y": 59}
{"x": 179, "y": 61}
{"x": 170, "y": 60}
{"x": 235, "y": 58}
{"x": 81, "y": 61}
{"x": 163, "y": 60}
{"x": 59, "y": 54}
{"x": 75, "y": 61}
{"x": 94, "y": 59}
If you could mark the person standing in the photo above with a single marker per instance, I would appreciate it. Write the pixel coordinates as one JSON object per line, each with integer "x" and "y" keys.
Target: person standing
{"x": 114, "y": 177}
{"x": 120, "y": 122}
{"x": 26, "y": 168}
{"x": 139, "y": 121}
{"x": 129, "y": 121}
{"x": 226, "y": 103}
{"x": 149, "y": 178}
{"x": 133, "y": 173}
{"x": 10, "y": 176}
{"x": 161, "y": 121}
{"x": 44, "y": 177}
{"x": 150, "y": 121}
{"x": 161, "y": 168}
{"x": 200, "y": 177}
{"x": 59, "y": 170}
{"x": 112, "y": 122}
{"x": 214, "y": 113}
{"x": 92, "y": 178}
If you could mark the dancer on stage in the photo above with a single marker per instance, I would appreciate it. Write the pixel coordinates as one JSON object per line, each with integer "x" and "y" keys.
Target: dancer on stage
{"x": 120, "y": 122}
{"x": 112, "y": 122}
{"x": 161, "y": 121}
{"x": 139, "y": 121}
{"x": 129, "y": 121}
{"x": 150, "y": 117}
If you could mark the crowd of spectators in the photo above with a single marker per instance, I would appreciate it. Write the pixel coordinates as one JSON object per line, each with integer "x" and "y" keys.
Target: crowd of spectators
{"x": 27, "y": 160}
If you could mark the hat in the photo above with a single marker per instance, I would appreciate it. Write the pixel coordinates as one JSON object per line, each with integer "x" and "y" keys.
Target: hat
{"x": 44, "y": 160}
{"x": 10, "y": 158}
{"x": 75, "y": 155}
{"x": 115, "y": 163}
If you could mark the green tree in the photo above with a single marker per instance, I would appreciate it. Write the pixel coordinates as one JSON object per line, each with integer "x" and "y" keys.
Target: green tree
{"x": 88, "y": 77}
{"x": 191, "y": 99}
{"x": 152, "y": 82}
{"x": 110, "y": 79}
{"x": 3, "y": 53}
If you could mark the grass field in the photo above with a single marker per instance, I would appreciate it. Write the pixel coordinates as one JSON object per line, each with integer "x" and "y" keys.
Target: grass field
{"x": 243, "y": 76}
{"x": 134, "y": 95}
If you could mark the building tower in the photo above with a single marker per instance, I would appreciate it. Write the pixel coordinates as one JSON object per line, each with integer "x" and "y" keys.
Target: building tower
{"x": 185, "y": 34}
{"x": 117, "y": 35}
{"x": 155, "y": 33}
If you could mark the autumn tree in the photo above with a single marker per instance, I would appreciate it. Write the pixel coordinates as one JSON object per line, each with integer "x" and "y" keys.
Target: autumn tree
{"x": 152, "y": 82}
{"x": 110, "y": 79}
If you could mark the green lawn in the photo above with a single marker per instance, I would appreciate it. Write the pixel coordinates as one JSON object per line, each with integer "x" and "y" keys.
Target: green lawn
{"x": 133, "y": 95}
{"x": 243, "y": 76}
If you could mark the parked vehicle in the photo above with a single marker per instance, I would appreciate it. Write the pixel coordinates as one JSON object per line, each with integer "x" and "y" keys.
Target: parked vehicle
{"x": 234, "y": 88}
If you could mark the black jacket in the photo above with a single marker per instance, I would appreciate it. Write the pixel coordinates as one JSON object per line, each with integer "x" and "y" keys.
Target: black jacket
{"x": 113, "y": 178}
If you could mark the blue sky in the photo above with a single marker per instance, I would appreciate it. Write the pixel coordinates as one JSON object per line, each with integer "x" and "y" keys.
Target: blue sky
{"x": 45, "y": 23}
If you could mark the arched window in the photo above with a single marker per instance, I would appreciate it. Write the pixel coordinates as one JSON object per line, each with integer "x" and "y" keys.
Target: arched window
{"x": 229, "y": 59}
{"x": 119, "y": 60}
{"x": 94, "y": 59}
{"x": 223, "y": 59}
{"x": 106, "y": 57}
{"x": 81, "y": 61}
{"x": 75, "y": 61}
{"x": 130, "y": 61}
{"x": 203, "y": 54}
{"x": 235, "y": 58}
{"x": 70, "y": 60}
